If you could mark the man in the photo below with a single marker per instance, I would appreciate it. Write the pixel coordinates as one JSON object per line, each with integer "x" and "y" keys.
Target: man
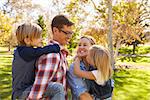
{"x": 51, "y": 69}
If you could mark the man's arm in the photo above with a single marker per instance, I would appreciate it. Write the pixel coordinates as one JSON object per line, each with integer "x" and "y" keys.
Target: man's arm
{"x": 47, "y": 67}
{"x": 30, "y": 53}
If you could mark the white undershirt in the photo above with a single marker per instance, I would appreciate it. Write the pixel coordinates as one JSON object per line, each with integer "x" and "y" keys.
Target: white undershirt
{"x": 96, "y": 74}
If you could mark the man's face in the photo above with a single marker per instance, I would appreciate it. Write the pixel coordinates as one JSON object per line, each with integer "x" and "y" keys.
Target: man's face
{"x": 63, "y": 35}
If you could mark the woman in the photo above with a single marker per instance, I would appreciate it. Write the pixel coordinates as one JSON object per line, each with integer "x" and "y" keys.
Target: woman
{"x": 78, "y": 86}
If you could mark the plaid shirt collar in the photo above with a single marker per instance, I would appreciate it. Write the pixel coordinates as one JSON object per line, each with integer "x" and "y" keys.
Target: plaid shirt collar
{"x": 64, "y": 51}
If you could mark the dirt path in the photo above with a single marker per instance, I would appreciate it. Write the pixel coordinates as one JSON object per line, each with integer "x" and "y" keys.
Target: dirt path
{"x": 133, "y": 66}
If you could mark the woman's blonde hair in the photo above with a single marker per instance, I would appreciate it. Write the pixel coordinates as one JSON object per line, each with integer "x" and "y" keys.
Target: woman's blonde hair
{"x": 90, "y": 38}
{"x": 28, "y": 30}
{"x": 101, "y": 59}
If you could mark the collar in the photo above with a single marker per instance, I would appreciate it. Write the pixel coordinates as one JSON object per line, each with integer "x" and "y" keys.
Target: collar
{"x": 63, "y": 49}
{"x": 54, "y": 42}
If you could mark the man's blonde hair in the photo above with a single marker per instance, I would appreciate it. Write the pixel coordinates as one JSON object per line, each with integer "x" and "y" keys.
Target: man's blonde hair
{"x": 101, "y": 60}
{"x": 28, "y": 30}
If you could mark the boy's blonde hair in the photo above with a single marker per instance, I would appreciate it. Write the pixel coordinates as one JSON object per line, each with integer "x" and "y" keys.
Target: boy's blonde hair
{"x": 28, "y": 30}
{"x": 101, "y": 59}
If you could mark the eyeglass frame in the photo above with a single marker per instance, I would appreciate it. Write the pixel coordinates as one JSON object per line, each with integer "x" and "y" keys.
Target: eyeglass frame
{"x": 66, "y": 32}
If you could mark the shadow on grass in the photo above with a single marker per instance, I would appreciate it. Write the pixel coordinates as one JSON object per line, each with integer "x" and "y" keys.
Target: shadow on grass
{"x": 6, "y": 52}
{"x": 3, "y": 52}
{"x": 5, "y": 82}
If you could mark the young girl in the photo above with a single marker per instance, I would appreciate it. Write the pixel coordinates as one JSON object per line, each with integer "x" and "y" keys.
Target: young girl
{"x": 99, "y": 58}
{"x": 28, "y": 35}
{"x": 77, "y": 84}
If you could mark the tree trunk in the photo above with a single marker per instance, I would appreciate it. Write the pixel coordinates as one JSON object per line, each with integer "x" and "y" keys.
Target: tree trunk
{"x": 110, "y": 45}
{"x": 117, "y": 49}
{"x": 9, "y": 46}
{"x": 134, "y": 47}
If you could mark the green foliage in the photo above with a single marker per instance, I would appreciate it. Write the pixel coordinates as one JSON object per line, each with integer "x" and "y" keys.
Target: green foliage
{"x": 73, "y": 8}
{"x": 73, "y": 43}
{"x": 132, "y": 84}
{"x": 41, "y": 23}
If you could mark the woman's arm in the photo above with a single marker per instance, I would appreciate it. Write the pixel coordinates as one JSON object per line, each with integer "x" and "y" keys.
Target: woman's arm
{"x": 81, "y": 73}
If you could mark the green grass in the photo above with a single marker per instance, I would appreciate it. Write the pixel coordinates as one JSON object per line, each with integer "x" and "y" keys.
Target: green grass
{"x": 140, "y": 54}
{"x": 139, "y": 50}
{"x": 132, "y": 84}
{"x": 137, "y": 59}
{"x": 129, "y": 84}
{"x": 5, "y": 75}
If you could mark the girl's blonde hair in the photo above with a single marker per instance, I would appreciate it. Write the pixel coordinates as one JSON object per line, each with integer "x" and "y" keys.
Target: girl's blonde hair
{"x": 28, "y": 30}
{"x": 101, "y": 59}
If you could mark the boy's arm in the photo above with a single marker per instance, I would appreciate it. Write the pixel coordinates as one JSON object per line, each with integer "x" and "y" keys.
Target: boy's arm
{"x": 81, "y": 73}
{"x": 30, "y": 53}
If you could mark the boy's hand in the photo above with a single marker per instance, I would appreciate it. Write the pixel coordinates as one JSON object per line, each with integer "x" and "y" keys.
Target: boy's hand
{"x": 39, "y": 44}
{"x": 62, "y": 48}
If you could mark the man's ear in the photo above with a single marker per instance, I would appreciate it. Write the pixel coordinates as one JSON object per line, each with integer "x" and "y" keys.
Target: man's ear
{"x": 27, "y": 41}
{"x": 55, "y": 30}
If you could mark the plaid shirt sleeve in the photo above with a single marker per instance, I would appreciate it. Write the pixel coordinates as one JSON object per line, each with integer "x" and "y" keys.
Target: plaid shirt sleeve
{"x": 47, "y": 67}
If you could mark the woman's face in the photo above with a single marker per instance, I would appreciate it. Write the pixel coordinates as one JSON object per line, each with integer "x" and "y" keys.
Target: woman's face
{"x": 89, "y": 58}
{"x": 83, "y": 47}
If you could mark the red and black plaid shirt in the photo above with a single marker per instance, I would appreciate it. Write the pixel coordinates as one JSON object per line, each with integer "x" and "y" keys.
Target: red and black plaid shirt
{"x": 51, "y": 68}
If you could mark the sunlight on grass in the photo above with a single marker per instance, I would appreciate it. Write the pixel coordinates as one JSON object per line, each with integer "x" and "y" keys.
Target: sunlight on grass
{"x": 132, "y": 85}
{"x": 5, "y": 74}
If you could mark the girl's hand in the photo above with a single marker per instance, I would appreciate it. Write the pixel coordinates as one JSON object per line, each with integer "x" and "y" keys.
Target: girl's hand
{"x": 77, "y": 59}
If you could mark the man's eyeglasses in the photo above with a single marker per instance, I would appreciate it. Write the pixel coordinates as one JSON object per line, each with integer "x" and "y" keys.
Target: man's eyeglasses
{"x": 67, "y": 32}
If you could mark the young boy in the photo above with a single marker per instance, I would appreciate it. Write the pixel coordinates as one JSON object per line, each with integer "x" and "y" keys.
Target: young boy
{"x": 23, "y": 66}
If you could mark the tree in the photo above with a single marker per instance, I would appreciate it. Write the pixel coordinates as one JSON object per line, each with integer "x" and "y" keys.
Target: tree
{"x": 96, "y": 33}
{"x": 127, "y": 27}
{"x": 127, "y": 20}
{"x": 109, "y": 34}
{"x": 6, "y": 31}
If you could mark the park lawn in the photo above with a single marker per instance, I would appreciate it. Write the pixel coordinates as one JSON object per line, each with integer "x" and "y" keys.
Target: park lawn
{"x": 5, "y": 75}
{"x": 130, "y": 84}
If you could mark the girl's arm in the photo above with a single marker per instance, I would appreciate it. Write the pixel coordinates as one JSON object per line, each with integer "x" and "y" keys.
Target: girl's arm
{"x": 82, "y": 73}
